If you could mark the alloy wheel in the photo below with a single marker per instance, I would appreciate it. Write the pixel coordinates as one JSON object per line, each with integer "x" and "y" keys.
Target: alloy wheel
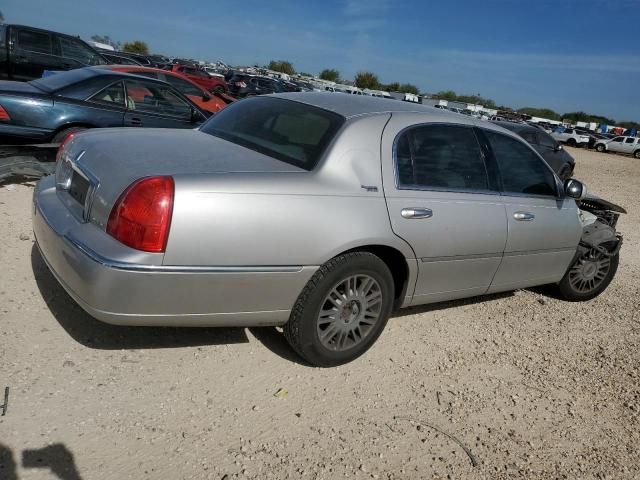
{"x": 588, "y": 273}
{"x": 349, "y": 312}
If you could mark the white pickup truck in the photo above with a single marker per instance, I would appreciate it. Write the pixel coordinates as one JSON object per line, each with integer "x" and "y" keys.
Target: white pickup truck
{"x": 628, "y": 145}
{"x": 570, "y": 137}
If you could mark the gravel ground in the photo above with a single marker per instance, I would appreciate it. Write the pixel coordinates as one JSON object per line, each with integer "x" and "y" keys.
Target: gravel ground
{"x": 530, "y": 386}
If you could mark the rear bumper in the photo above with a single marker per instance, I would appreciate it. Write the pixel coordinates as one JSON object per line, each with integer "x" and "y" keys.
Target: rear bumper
{"x": 88, "y": 264}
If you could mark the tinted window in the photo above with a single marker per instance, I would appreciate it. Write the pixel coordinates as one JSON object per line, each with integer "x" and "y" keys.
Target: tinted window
{"x": 112, "y": 95}
{"x": 77, "y": 50}
{"x": 440, "y": 156}
{"x": 35, "y": 41}
{"x": 529, "y": 136}
{"x": 629, "y": 140}
{"x": 522, "y": 171}
{"x": 155, "y": 98}
{"x": 618, "y": 139}
{"x": 186, "y": 88}
{"x": 293, "y": 132}
{"x": 546, "y": 140}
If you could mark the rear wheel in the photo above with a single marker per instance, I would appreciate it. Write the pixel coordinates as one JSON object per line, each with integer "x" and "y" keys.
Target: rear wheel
{"x": 636, "y": 154}
{"x": 589, "y": 276}
{"x": 572, "y": 142}
{"x": 600, "y": 148}
{"x": 62, "y": 134}
{"x": 342, "y": 310}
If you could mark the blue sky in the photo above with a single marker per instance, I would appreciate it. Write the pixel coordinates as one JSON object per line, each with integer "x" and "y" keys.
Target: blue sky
{"x": 563, "y": 54}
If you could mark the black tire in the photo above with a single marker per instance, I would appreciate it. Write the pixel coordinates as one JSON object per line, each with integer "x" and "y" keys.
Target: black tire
{"x": 60, "y": 136}
{"x": 600, "y": 148}
{"x": 636, "y": 154}
{"x": 302, "y": 329}
{"x": 568, "y": 291}
{"x": 572, "y": 142}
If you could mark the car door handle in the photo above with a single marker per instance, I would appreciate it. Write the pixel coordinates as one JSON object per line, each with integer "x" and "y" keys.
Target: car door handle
{"x": 416, "y": 212}
{"x": 524, "y": 216}
{"x": 135, "y": 122}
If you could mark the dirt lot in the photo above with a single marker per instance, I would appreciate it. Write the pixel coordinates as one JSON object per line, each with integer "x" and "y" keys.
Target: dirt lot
{"x": 533, "y": 387}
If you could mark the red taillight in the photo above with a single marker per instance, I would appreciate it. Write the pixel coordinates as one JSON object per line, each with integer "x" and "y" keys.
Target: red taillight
{"x": 67, "y": 138}
{"x": 4, "y": 116}
{"x": 141, "y": 217}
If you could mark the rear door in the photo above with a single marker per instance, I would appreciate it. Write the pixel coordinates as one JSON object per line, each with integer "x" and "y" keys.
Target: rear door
{"x": 151, "y": 104}
{"x": 628, "y": 145}
{"x": 33, "y": 52}
{"x": 543, "y": 225}
{"x": 442, "y": 201}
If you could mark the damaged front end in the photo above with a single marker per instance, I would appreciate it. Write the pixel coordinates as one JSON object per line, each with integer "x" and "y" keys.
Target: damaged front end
{"x": 599, "y": 219}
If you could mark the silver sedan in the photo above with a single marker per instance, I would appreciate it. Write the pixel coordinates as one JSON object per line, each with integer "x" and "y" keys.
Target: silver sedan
{"x": 319, "y": 213}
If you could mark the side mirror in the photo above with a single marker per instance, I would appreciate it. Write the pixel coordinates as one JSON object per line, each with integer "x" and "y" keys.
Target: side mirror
{"x": 575, "y": 189}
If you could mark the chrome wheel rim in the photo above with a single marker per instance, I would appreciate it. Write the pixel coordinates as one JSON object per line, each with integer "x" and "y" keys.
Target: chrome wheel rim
{"x": 349, "y": 312}
{"x": 589, "y": 271}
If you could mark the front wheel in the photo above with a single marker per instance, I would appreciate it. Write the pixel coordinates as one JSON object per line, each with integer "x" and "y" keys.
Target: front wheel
{"x": 589, "y": 276}
{"x": 342, "y": 310}
{"x": 572, "y": 142}
{"x": 600, "y": 148}
{"x": 636, "y": 154}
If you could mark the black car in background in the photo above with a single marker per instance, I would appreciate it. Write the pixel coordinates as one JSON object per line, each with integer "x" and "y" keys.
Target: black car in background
{"x": 557, "y": 158}
{"x": 48, "y": 109}
{"x": 26, "y": 52}
{"x": 246, "y": 85}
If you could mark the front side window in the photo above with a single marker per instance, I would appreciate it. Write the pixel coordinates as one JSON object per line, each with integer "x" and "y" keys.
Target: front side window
{"x": 155, "y": 98}
{"x": 521, "y": 170}
{"x": 77, "y": 50}
{"x": 442, "y": 157}
{"x": 618, "y": 139}
{"x": 630, "y": 140}
{"x": 289, "y": 131}
{"x": 35, "y": 41}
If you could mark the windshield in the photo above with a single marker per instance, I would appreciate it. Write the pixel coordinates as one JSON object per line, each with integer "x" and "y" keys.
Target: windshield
{"x": 292, "y": 132}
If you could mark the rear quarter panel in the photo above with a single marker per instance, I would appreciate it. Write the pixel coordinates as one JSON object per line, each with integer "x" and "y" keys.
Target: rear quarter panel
{"x": 265, "y": 219}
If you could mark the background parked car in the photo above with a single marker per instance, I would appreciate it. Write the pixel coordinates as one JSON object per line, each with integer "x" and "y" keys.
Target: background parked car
{"x": 558, "y": 159}
{"x": 243, "y": 85}
{"x": 194, "y": 92}
{"x": 48, "y": 109}
{"x": 570, "y": 137}
{"x": 26, "y": 52}
{"x": 115, "y": 59}
{"x": 202, "y": 78}
{"x": 628, "y": 145}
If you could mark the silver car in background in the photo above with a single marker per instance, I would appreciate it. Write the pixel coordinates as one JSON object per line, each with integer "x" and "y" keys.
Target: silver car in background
{"x": 319, "y": 213}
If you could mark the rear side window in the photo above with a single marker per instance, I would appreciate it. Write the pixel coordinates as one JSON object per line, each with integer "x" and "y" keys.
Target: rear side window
{"x": 521, "y": 170}
{"x": 112, "y": 95}
{"x": 292, "y": 132}
{"x": 442, "y": 157}
{"x": 156, "y": 98}
{"x": 34, "y": 41}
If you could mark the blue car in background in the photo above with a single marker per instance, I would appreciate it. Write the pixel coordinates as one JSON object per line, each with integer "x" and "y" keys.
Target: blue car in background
{"x": 48, "y": 109}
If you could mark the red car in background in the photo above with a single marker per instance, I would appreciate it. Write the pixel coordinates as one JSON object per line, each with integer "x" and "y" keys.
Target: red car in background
{"x": 202, "y": 78}
{"x": 198, "y": 95}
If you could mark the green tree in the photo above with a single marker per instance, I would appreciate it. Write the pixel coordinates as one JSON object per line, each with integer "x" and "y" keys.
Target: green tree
{"x": 137, "y": 46}
{"x": 330, "y": 74}
{"x": 408, "y": 88}
{"x": 367, "y": 80}
{"x": 540, "y": 112}
{"x": 282, "y": 66}
{"x": 391, "y": 87}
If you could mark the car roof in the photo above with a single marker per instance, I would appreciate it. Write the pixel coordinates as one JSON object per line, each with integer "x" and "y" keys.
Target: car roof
{"x": 357, "y": 105}
{"x": 80, "y": 74}
{"x": 516, "y": 127}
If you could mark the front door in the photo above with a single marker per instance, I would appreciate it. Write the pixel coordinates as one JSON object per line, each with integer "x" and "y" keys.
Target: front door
{"x": 150, "y": 104}
{"x": 33, "y": 52}
{"x": 616, "y": 145}
{"x": 443, "y": 203}
{"x": 543, "y": 225}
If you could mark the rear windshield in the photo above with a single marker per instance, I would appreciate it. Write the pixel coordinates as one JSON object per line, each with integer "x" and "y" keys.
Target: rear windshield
{"x": 290, "y": 131}
{"x": 60, "y": 80}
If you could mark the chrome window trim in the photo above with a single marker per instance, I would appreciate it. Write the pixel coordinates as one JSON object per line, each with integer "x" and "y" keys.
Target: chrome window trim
{"x": 422, "y": 188}
{"x": 122, "y": 105}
